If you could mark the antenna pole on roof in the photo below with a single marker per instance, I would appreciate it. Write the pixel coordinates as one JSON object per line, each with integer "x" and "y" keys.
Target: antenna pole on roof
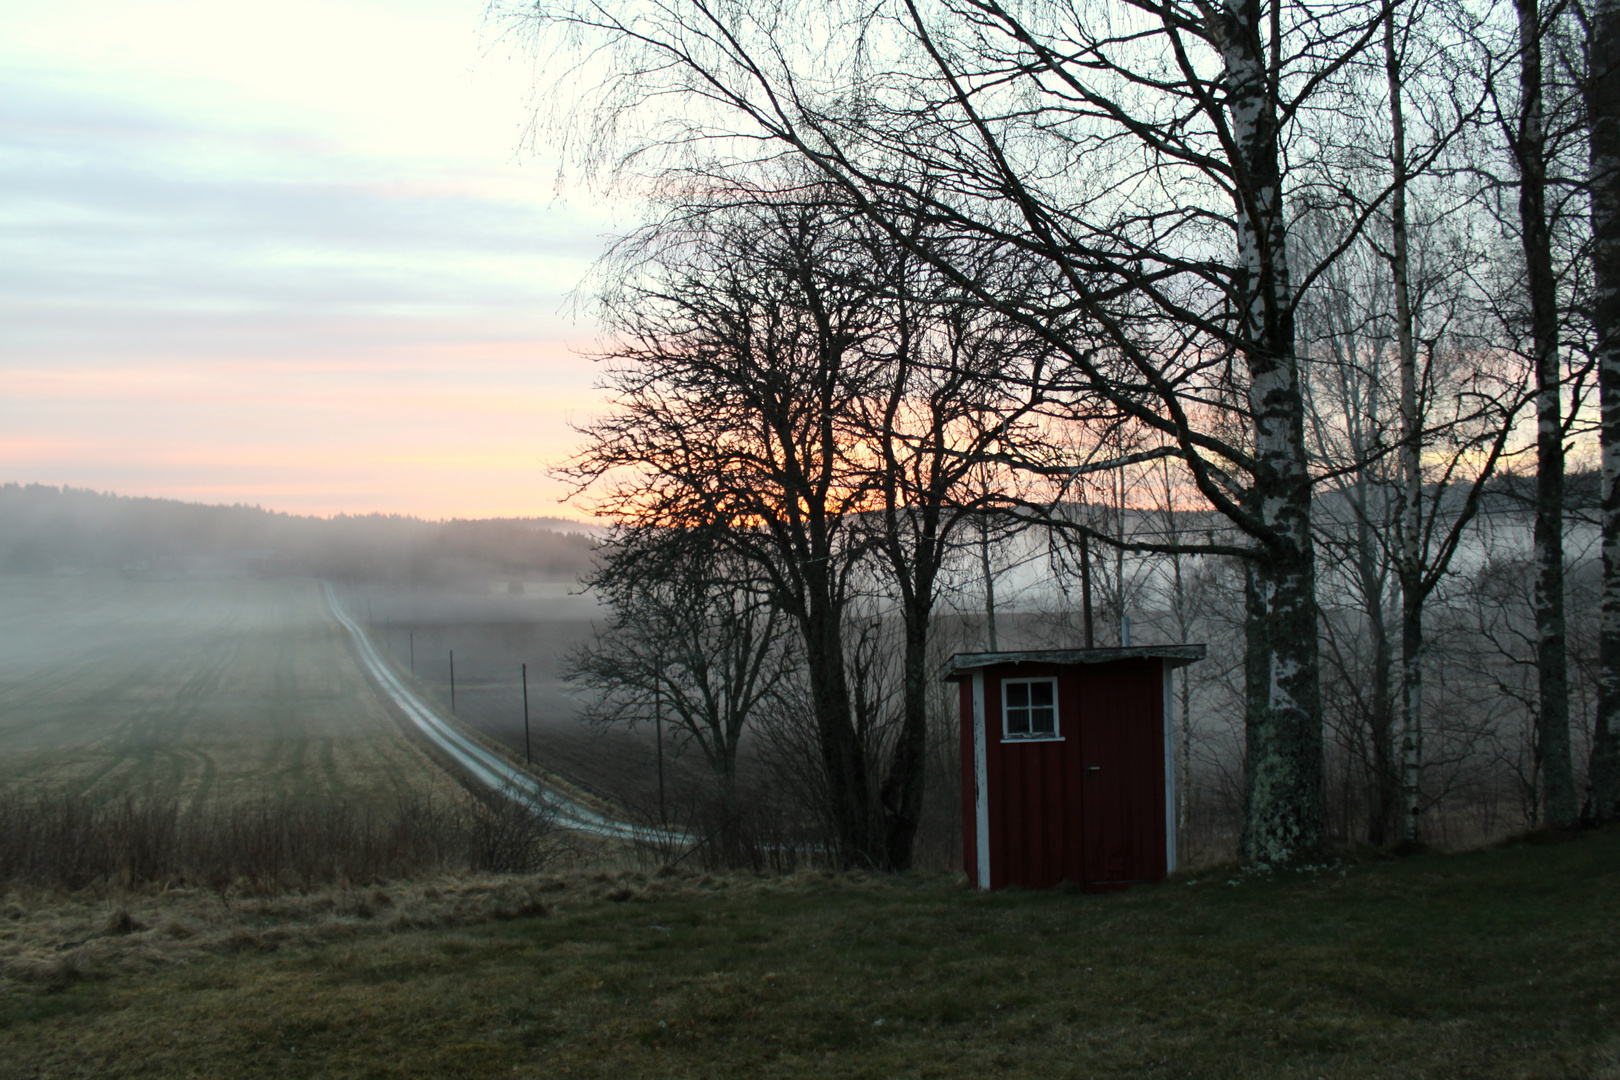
{"x": 989, "y": 583}
{"x": 1085, "y": 583}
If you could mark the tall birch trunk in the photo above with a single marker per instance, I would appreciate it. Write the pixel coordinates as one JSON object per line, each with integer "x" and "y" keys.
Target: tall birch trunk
{"x": 1411, "y": 524}
{"x": 1384, "y": 796}
{"x": 1551, "y": 661}
{"x": 1283, "y": 817}
{"x": 1603, "y": 114}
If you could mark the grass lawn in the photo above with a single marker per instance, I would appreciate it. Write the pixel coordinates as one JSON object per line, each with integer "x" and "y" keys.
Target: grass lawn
{"x": 1501, "y": 963}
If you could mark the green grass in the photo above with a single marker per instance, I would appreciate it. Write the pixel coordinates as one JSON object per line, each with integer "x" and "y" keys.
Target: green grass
{"x": 1493, "y": 964}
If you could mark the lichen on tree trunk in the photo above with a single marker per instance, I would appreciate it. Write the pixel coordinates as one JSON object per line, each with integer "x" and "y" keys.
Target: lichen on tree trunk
{"x": 1283, "y": 817}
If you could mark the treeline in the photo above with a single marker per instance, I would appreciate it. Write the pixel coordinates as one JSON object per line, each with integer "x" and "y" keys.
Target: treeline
{"x": 45, "y": 530}
{"x": 1294, "y": 284}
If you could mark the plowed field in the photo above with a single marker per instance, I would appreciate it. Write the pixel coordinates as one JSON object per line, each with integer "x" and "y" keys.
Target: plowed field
{"x": 197, "y": 689}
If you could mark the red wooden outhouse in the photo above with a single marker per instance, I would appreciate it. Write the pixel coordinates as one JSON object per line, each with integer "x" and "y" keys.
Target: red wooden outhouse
{"x": 1068, "y": 769}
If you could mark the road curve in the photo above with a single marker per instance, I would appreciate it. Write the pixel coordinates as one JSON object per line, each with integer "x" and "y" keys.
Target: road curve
{"x": 484, "y": 766}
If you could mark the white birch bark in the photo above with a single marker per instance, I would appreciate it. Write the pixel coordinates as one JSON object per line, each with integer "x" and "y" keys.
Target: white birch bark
{"x": 1411, "y": 524}
{"x": 1283, "y": 759}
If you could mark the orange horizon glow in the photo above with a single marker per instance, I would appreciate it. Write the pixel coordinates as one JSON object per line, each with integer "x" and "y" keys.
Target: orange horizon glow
{"x": 412, "y": 434}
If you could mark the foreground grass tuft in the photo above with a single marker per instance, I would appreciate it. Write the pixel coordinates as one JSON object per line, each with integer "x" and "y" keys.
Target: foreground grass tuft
{"x": 1499, "y": 963}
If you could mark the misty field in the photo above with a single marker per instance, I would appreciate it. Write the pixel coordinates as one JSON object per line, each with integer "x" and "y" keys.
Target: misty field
{"x": 203, "y": 691}
{"x": 494, "y": 632}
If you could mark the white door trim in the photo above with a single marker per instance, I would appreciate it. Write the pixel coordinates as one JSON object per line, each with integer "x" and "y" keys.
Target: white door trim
{"x": 981, "y": 784}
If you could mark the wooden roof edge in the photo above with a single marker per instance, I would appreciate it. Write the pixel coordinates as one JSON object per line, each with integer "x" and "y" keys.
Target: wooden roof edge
{"x": 1175, "y": 655}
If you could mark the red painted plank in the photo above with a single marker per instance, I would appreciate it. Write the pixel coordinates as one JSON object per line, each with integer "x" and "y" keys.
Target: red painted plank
{"x": 1051, "y": 817}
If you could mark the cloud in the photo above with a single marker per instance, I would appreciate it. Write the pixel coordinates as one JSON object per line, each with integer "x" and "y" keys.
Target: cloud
{"x": 204, "y": 284}
{"x": 129, "y": 207}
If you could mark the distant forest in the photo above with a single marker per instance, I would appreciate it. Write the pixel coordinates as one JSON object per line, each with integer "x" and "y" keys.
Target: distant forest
{"x": 51, "y": 530}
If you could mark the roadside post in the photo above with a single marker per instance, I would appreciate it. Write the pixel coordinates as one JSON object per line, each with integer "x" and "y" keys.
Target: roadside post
{"x": 658, "y": 725}
{"x": 452, "y": 682}
{"x": 527, "y": 757}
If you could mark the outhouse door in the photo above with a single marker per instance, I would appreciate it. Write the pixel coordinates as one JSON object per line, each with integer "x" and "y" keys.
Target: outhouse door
{"x": 1122, "y": 779}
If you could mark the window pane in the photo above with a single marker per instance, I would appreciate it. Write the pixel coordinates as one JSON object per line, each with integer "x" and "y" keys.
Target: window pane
{"x": 1030, "y": 707}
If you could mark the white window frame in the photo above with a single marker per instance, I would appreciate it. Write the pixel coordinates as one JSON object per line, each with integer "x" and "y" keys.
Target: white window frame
{"x": 1055, "y": 735}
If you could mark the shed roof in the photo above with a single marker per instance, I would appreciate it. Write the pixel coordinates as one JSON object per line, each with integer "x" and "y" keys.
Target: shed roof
{"x": 963, "y": 664}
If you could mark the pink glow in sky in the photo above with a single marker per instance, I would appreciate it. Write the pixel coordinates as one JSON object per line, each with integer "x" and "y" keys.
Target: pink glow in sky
{"x": 287, "y": 255}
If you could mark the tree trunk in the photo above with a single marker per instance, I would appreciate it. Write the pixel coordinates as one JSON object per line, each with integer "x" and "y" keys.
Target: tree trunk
{"x": 1283, "y": 735}
{"x": 1411, "y": 524}
{"x": 860, "y": 839}
{"x": 903, "y": 786}
{"x": 1283, "y": 816}
{"x": 1551, "y": 661}
{"x": 1381, "y": 714}
{"x": 1603, "y": 114}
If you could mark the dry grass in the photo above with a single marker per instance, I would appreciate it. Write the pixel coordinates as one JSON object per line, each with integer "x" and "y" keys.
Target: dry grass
{"x": 1491, "y": 964}
{"x": 63, "y": 841}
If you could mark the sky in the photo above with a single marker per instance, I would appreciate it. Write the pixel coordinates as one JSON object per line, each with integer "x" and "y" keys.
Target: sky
{"x": 290, "y": 254}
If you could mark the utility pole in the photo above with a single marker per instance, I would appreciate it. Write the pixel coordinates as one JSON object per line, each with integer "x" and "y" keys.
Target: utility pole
{"x": 528, "y": 758}
{"x": 658, "y": 725}
{"x": 452, "y": 682}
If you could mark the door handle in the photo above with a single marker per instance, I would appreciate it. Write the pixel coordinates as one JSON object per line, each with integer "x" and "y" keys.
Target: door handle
{"x": 1093, "y": 768}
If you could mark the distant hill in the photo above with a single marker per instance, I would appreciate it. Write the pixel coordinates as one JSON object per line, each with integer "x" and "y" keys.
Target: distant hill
{"x": 51, "y": 530}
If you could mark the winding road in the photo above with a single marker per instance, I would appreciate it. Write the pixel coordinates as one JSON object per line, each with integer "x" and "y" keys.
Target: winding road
{"x": 483, "y": 765}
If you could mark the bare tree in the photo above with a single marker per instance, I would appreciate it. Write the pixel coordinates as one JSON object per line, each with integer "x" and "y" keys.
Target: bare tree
{"x": 691, "y": 638}
{"x": 1140, "y": 155}
{"x": 787, "y": 378}
{"x": 735, "y": 378}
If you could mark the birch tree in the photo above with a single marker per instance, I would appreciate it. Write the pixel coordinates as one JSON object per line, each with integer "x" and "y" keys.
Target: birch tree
{"x": 1540, "y": 300}
{"x": 1529, "y": 144}
{"x": 1603, "y": 119}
